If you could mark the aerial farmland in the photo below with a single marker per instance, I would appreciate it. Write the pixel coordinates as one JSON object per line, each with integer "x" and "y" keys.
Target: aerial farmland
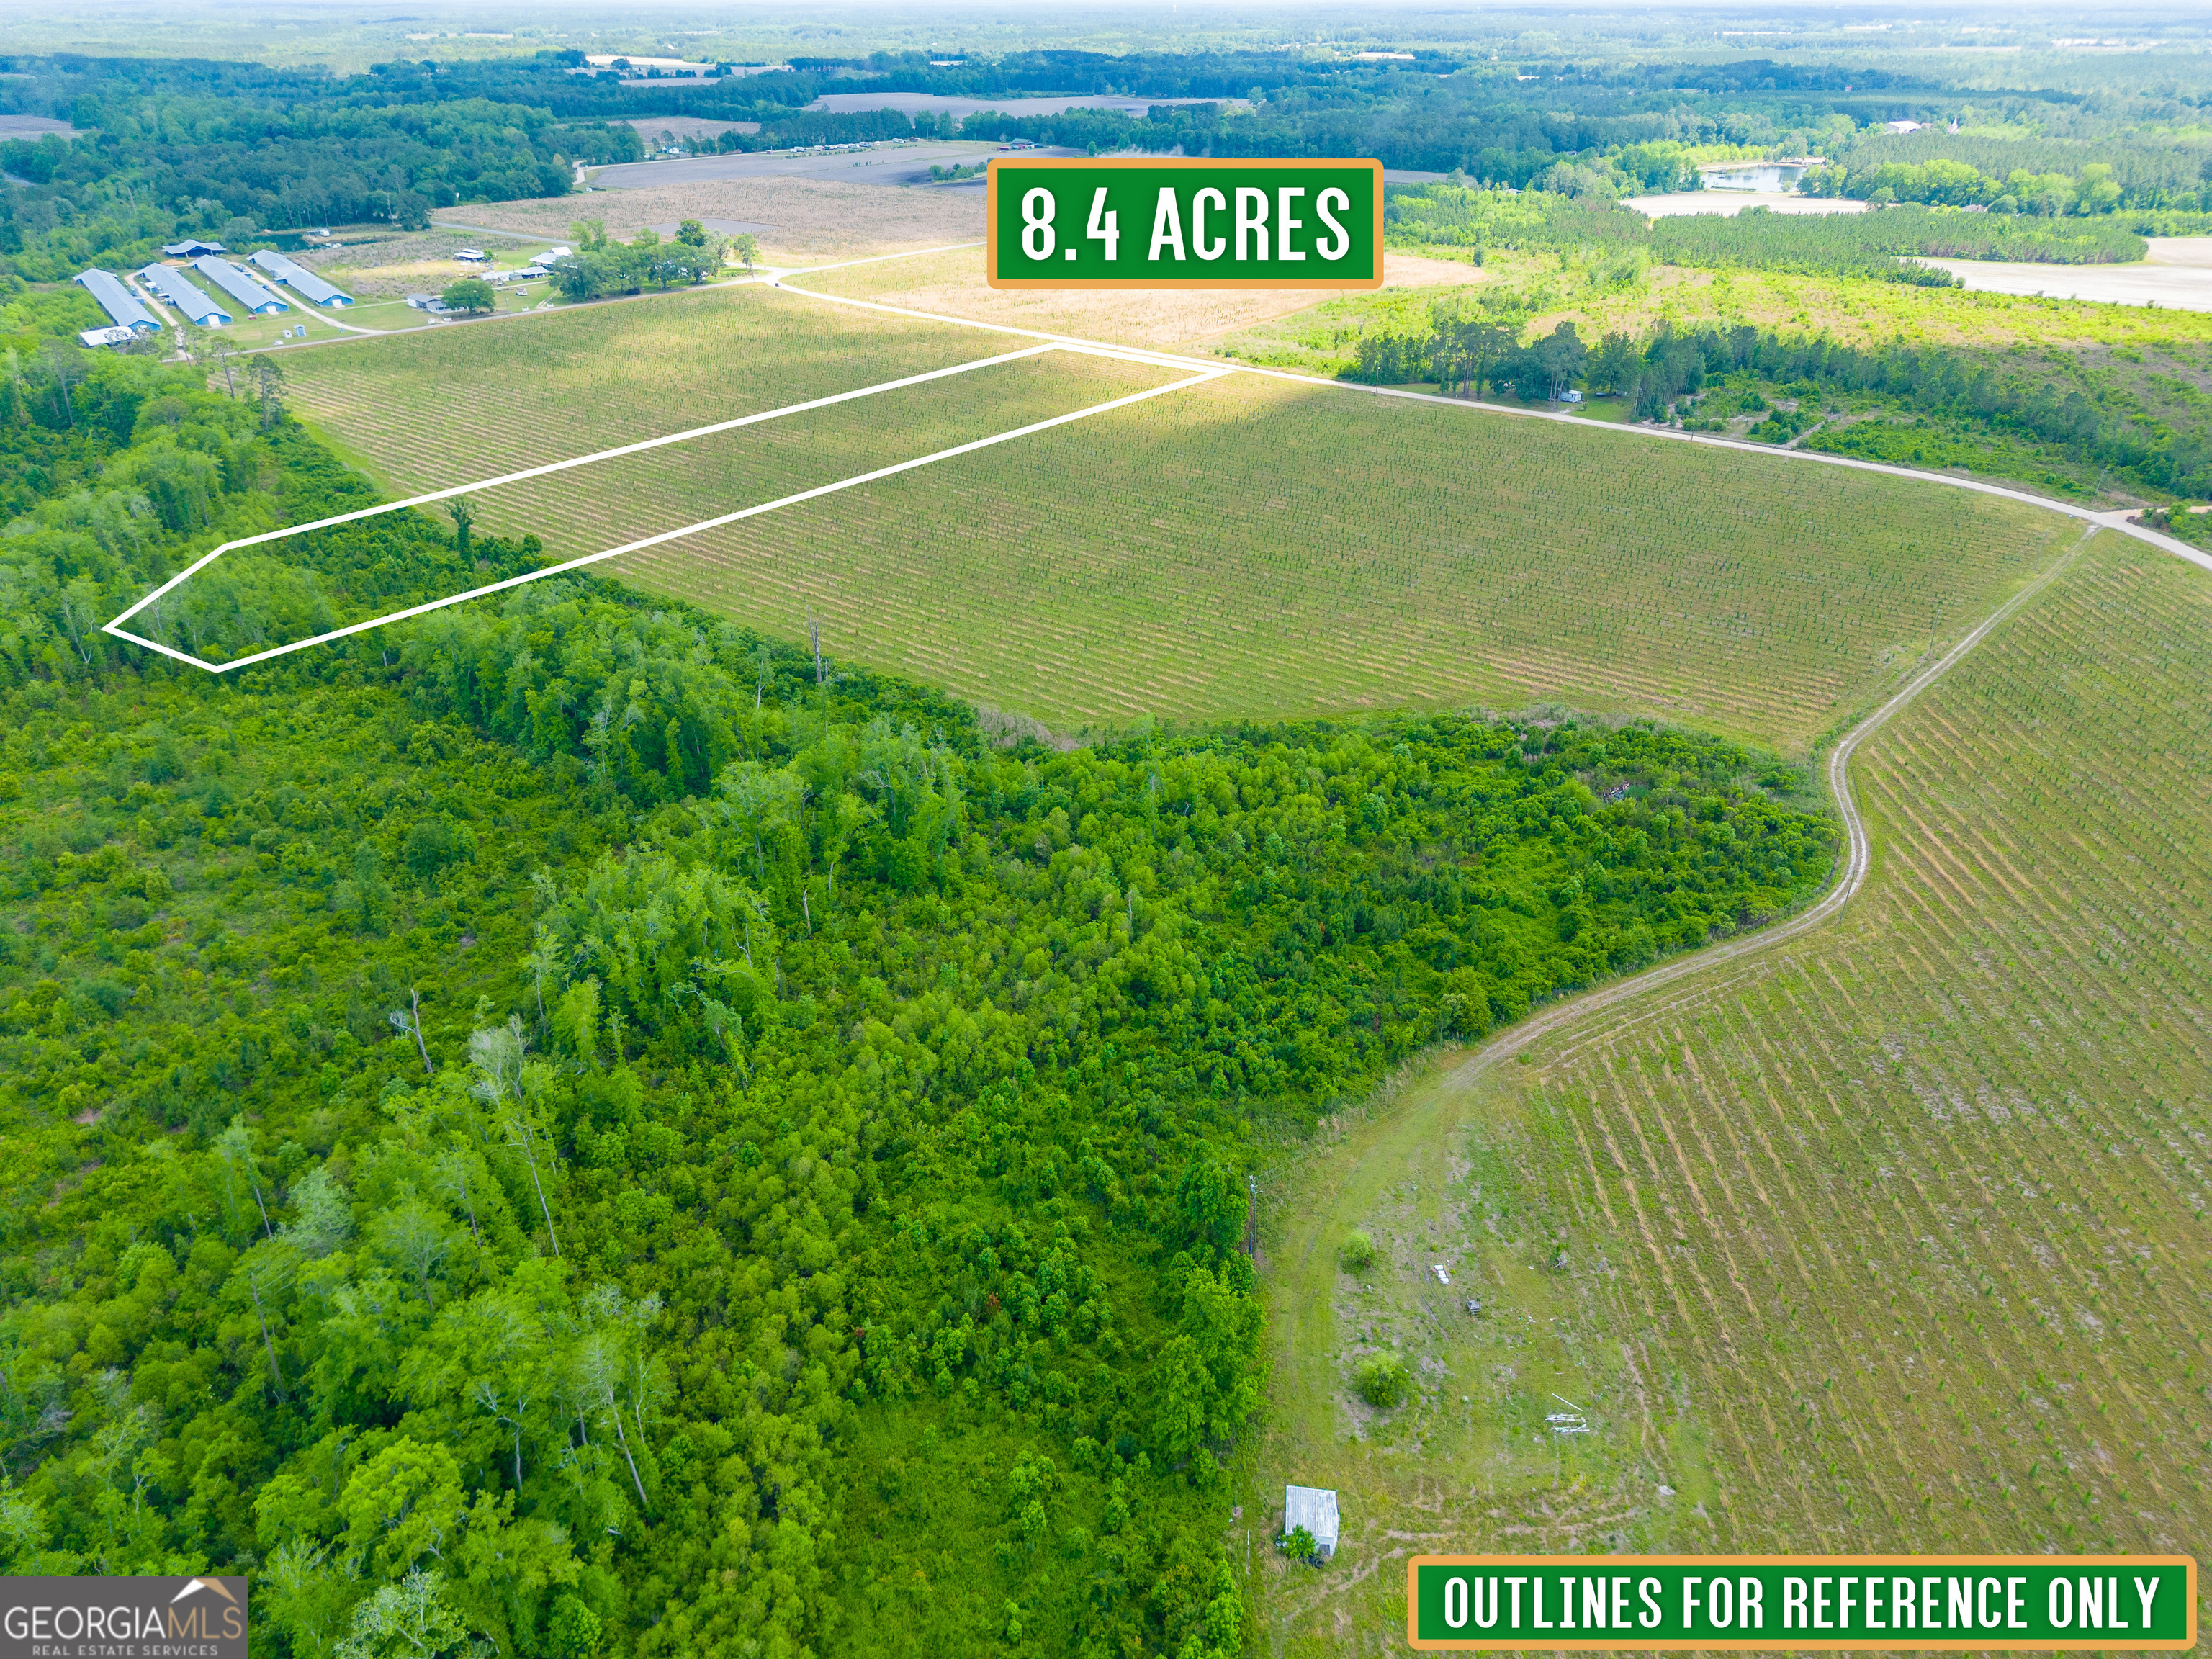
{"x": 828, "y": 898}
{"x": 1156, "y": 553}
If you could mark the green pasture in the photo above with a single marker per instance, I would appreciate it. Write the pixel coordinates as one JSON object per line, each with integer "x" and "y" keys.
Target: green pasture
{"x": 1882, "y": 1243}
{"x": 1248, "y": 547}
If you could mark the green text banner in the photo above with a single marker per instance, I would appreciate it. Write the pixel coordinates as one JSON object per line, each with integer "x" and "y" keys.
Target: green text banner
{"x": 1159, "y": 222}
{"x": 1802, "y": 1602}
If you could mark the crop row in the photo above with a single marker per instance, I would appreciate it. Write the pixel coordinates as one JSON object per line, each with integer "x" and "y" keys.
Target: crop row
{"x": 1917, "y": 1215}
{"x": 433, "y": 409}
{"x": 587, "y": 509}
{"x": 1249, "y": 547}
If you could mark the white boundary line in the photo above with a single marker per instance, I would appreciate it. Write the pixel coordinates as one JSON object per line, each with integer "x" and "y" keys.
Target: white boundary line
{"x": 113, "y": 628}
{"x": 579, "y": 460}
{"x": 1199, "y": 372}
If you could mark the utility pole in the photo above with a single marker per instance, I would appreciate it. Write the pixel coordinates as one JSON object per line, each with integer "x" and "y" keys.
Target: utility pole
{"x": 1252, "y": 1216}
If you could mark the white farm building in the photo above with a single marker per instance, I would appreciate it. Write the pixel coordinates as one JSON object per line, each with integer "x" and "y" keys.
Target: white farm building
{"x": 1313, "y": 1508}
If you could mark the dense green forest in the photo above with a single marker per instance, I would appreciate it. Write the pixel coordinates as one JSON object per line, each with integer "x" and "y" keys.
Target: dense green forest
{"x": 232, "y": 150}
{"x": 568, "y": 1128}
{"x": 2014, "y": 167}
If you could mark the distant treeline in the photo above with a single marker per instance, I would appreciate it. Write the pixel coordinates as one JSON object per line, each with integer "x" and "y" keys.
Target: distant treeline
{"x": 2153, "y": 169}
{"x": 1481, "y": 129}
{"x": 158, "y": 163}
{"x": 1837, "y": 241}
{"x": 1869, "y": 243}
{"x": 175, "y": 147}
{"x": 1463, "y": 349}
{"x": 1981, "y": 388}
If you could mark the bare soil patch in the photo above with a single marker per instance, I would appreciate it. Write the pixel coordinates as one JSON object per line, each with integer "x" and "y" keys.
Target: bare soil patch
{"x": 814, "y": 222}
{"x": 953, "y": 285}
{"x": 650, "y": 127}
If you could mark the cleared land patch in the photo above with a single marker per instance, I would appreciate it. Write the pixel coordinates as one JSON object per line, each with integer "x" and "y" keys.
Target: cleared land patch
{"x": 1895, "y": 1239}
{"x": 952, "y": 284}
{"x": 810, "y": 220}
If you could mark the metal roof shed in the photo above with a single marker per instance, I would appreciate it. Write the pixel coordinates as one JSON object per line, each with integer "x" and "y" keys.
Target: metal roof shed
{"x": 169, "y": 282}
{"x": 1313, "y": 1508}
{"x": 239, "y": 286}
{"x": 301, "y": 280}
{"x": 192, "y": 250}
{"x": 121, "y": 305}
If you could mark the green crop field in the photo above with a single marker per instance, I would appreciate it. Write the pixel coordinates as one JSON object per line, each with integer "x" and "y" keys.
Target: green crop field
{"x": 1893, "y": 1239}
{"x": 608, "y": 503}
{"x": 429, "y": 409}
{"x": 1351, "y": 553}
{"x": 1256, "y": 546}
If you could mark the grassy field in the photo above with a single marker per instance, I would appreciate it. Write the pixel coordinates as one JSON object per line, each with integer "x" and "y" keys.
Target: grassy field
{"x": 586, "y": 510}
{"x": 951, "y": 284}
{"x": 1893, "y": 1240}
{"x": 1541, "y": 292}
{"x": 443, "y": 406}
{"x": 1258, "y": 547}
{"x": 1248, "y": 547}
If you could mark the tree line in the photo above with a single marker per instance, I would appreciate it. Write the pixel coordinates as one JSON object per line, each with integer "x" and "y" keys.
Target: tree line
{"x": 1468, "y": 349}
{"x": 600, "y": 264}
{"x": 228, "y": 152}
{"x": 568, "y": 1126}
{"x": 1457, "y": 214}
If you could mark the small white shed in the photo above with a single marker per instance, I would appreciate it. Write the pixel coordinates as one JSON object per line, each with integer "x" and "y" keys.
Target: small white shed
{"x": 1313, "y": 1508}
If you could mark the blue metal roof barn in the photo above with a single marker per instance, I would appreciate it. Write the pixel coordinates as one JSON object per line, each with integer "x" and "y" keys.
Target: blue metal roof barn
{"x": 118, "y": 301}
{"x": 301, "y": 280}
{"x": 239, "y": 286}
{"x": 169, "y": 282}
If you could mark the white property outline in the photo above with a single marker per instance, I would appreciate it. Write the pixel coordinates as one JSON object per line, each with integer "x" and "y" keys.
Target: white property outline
{"x": 1201, "y": 371}
{"x": 115, "y": 628}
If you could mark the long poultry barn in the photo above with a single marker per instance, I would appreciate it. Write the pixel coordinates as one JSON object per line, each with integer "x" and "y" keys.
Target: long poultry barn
{"x": 120, "y": 304}
{"x": 233, "y": 281}
{"x": 301, "y": 280}
{"x": 173, "y": 286}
